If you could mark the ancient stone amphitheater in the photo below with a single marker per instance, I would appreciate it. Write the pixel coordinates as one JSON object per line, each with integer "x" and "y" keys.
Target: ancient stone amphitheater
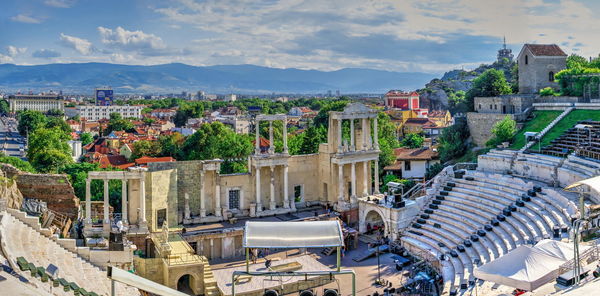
{"x": 472, "y": 216}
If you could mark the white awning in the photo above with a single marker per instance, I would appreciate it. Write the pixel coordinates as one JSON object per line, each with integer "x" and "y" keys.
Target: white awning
{"x": 305, "y": 234}
{"x": 526, "y": 267}
{"x": 139, "y": 282}
{"x": 594, "y": 183}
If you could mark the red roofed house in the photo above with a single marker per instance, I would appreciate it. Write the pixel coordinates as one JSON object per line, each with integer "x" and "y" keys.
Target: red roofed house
{"x": 412, "y": 163}
{"x": 402, "y": 100}
{"x": 264, "y": 145}
{"x": 145, "y": 160}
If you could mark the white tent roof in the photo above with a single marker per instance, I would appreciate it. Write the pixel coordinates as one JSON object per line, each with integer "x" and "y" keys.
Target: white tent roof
{"x": 594, "y": 183}
{"x": 526, "y": 267}
{"x": 306, "y": 234}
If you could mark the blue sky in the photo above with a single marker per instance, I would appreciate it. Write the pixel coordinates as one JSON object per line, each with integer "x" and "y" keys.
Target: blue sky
{"x": 396, "y": 35}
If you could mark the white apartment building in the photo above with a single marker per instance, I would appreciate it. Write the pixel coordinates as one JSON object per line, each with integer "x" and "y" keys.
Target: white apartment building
{"x": 94, "y": 113}
{"x": 42, "y": 103}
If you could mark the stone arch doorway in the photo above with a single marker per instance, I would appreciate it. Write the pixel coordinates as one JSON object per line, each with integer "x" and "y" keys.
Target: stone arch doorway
{"x": 185, "y": 284}
{"x": 374, "y": 222}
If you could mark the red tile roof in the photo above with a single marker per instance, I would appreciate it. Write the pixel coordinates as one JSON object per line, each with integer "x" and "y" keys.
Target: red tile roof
{"x": 415, "y": 154}
{"x": 545, "y": 50}
{"x": 111, "y": 161}
{"x": 147, "y": 159}
{"x": 264, "y": 143}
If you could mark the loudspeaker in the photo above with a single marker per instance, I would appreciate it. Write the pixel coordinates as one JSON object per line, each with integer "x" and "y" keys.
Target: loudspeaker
{"x": 331, "y": 292}
{"x": 270, "y": 292}
{"x": 306, "y": 293}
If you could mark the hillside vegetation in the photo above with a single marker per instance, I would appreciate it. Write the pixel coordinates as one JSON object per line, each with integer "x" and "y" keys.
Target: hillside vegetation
{"x": 540, "y": 120}
{"x": 568, "y": 122}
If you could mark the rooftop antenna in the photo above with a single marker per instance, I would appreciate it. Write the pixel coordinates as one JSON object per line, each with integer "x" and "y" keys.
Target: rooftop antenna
{"x": 504, "y": 41}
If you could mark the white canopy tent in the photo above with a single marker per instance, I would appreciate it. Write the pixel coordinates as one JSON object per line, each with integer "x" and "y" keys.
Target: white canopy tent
{"x": 306, "y": 234}
{"x": 526, "y": 267}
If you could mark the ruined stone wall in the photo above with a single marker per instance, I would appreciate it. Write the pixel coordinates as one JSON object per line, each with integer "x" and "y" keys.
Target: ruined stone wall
{"x": 481, "y": 124}
{"x": 53, "y": 189}
{"x": 8, "y": 188}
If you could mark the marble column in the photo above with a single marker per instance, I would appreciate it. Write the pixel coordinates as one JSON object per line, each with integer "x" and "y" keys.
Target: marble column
{"x": 353, "y": 176}
{"x": 364, "y": 133}
{"x": 271, "y": 141}
{"x": 376, "y": 172}
{"x": 106, "y": 219}
{"x": 202, "y": 197}
{"x": 341, "y": 182}
{"x": 257, "y": 189}
{"x": 339, "y": 135}
{"x": 272, "y": 204}
{"x": 88, "y": 202}
{"x": 124, "y": 201}
{"x": 285, "y": 144}
{"x": 257, "y": 144}
{"x": 375, "y": 135}
{"x": 217, "y": 194}
{"x": 143, "y": 199}
{"x": 365, "y": 178}
{"x": 186, "y": 206}
{"x": 352, "y": 143}
{"x": 286, "y": 200}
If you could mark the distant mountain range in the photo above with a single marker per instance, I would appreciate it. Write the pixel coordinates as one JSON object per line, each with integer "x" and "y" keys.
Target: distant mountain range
{"x": 174, "y": 78}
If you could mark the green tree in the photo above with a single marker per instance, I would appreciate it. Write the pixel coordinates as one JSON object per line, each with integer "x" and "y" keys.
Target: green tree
{"x": 576, "y": 61}
{"x": 4, "y": 107}
{"x": 171, "y": 145}
{"x": 58, "y": 122}
{"x": 453, "y": 140}
{"x": 145, "y": 148}
{"x": 181, "y": 117}
{"x": 307, "y": 142}
{"x": 55, "y": 112}
{"x": 216, "y": 140}
{"x": 502, "y": 131}
{"x": 118, "y": 123}
{"x": 322, "y": 118}
{"x": 78, "y": 172}
{"x": 433, "y": 170}
{"x": 48, "y": 149}
{"x": 86, "y": 138}
{"x": 18, "y": 163}
{"x": 457, "y": 102}
{"x": 490, "y": 83}
{"x": 413, "y": 140}
{"x": 29, "y": 121}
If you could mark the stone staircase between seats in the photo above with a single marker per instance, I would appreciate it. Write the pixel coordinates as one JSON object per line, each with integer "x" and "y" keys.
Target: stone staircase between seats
{"x": 210, "y": 283}
{"x": 477, "y": 218}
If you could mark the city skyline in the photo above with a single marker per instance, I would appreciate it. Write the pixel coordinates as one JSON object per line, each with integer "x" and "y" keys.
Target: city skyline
{"x": 406, "y": 36}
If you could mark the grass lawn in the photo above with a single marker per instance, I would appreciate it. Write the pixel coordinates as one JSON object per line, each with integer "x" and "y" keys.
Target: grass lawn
{"x": 471, "y": 156}
{"x": 540, "y": 120}
{"x": 568, "y": 122}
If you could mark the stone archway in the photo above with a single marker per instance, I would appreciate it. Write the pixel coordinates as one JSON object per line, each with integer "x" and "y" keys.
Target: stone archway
{"x": 186, "y": 284}
{"x": 373, "y": 218}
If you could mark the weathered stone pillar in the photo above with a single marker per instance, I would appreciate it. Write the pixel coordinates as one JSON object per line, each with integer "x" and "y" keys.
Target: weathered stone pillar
{"x": 257, "y": 144}
{"x": 341, "y": 182}
{"x": 202, "y": 208}
{"x": 286, "y": 199}
{"x": 285, "y": 144}
{"x": 365, "y": 178}
{"x": 375, "y": 134}
{"x": 376, "y": 172}
{"x": 352, "y": 143}
{"x": 106, "y": 219}
{"x": 258, "y": 198}
{"x": 364, "y": 133}
{"x": 271, "y": 141}
{"x": 143, "y": 199}
{"x": 186, "y": 206}
{"x": 88, "y": 202}
{"x": 272, "y": 204}
{"x": 217, "y": 194}
{"x": 124, "y": 201}
{"x": 353, "y": 177}
{"x": 339, "y": 136}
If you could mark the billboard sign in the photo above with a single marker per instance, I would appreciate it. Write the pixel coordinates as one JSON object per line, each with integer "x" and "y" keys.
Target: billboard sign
{"x": 104, "y": 97}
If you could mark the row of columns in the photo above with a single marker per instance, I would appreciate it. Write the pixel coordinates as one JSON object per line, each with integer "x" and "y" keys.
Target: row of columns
{"x": 365, "y": 192}
{"x": 203, "y": 195}
{"x": 272, "y": 202}
{"x": 368, "y": 141}
{"x": 106, "y": 203}
{"x": 271, "y": 139}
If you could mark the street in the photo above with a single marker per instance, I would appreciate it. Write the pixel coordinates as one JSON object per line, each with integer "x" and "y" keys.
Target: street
{"x": 11, "y": 143}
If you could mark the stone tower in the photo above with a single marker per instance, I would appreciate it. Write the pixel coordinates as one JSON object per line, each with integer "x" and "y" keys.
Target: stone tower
{"x": 538, "y": 63}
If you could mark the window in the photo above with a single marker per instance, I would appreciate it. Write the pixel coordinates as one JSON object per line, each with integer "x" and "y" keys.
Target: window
{"x": 234, "y": 199}
{"x": 161, "y": 217}
{"x": 298, "y": 196}
{"x": 407, "y": 165}
{"x": 479, "y": 106}
{"x": 495, "y": 107}
{"x": 490, "y": 106}
{"x": 551, "y": 76}
{"x": 526, "y": 60}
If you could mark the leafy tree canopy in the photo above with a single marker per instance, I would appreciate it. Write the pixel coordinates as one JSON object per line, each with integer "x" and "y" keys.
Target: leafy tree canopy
{"x": 490, "y": 83}
{"x": 502, "y": 131}
{"x": 29, "y": 121}
{"x": 413, "y": 141}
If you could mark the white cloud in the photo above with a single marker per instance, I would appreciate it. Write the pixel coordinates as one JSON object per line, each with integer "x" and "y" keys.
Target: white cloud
{"x": 4, "y": 59}
{"x": 13, "y": 51}
{"x": 60, "y": 3}
{"x": 21, "y": 18}
{"x": 130, "y": 40}
{"x": 83, "y": 46}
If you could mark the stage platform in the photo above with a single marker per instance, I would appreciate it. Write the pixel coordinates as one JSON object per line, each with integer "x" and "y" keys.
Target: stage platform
{"x": 256, "y": 285}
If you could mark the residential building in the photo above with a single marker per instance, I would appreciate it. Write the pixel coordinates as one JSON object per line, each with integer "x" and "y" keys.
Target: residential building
{"x": 94, "y": 113}
{"x": 402, "y": 100}
{"x": 42, "y": 102}
{"x": 300, "y": 111}
{"x": 163, "y": 113}
{"x": 412, "y": 163}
